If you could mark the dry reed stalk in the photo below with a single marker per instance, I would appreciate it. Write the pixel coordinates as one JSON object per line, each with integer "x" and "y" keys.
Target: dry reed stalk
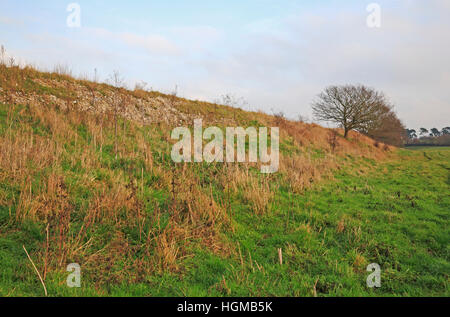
{"x": 315, "y": 288}
{"x": 46, "y": 252}
{"x": 40, "y": 278}
{"x": 280, "y": 256}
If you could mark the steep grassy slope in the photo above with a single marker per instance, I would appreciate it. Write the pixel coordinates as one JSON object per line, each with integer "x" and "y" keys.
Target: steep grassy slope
{"x": 138, "y": 224}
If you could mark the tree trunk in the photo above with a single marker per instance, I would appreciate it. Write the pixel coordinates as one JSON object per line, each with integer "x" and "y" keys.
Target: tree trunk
{"x": 345, "y": 133}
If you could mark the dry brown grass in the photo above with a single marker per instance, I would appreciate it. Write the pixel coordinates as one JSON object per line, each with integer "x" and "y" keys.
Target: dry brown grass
{"x": 255, "y": 189}
{"x": 258, "y": 192}
{"x": 302, "y": 171}
{"x": 341, "y": 226}
{"x": 23, "y": 149}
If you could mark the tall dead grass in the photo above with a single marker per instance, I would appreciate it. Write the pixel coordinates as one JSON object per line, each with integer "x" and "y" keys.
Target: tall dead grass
{"x": 43, "y": 145}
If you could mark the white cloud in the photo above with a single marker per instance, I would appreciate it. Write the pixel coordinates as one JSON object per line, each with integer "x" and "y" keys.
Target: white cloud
{"x": 204, "y": 33}
{"x": 11, "y": 21}
{"x": 152, "y": 43}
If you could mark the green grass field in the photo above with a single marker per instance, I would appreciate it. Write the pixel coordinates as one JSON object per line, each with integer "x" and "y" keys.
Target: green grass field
{"x": 422, "y": 148}
{"x": 394, "y": 213}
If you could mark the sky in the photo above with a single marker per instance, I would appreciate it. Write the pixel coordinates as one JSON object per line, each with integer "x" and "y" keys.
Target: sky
{"x": 278, "y": 55}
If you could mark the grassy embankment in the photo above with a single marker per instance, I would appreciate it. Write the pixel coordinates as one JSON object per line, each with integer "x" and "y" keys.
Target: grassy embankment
{"x": 141, "y": 225}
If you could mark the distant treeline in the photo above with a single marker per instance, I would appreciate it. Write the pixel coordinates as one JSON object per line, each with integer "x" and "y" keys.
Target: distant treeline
{"x": 431, "y": 137}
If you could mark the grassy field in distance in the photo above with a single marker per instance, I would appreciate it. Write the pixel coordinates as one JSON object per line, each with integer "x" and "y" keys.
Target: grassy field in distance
{"x": 437, "y": 148}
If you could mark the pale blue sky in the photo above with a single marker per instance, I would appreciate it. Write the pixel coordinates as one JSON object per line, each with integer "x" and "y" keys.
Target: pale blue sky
{"x": 276, "y": 54}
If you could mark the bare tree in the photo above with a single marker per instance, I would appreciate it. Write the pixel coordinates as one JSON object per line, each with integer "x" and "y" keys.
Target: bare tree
{"x": 303, "y": 119}
{"x": 232, "y": 101}
{"x": 140, "y": 85}
{"x": 12, "y": 62}
{"x": 388, "y": 129}
{"x": 117, "y": 81}
{"x": 95, "y": 75}
{"x": 174, "y": 92}
{"x": 352, "y": 107}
